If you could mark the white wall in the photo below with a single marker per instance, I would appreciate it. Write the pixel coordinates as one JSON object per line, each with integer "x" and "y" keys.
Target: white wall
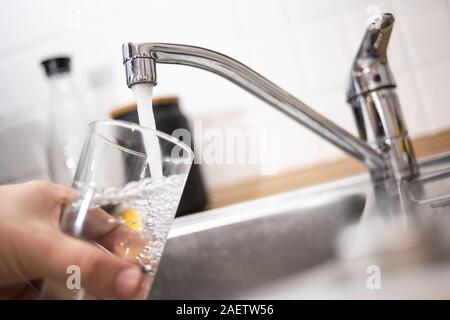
{"x": 305, "y": 46}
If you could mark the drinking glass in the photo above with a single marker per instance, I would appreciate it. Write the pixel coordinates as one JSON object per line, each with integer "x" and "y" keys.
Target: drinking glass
{"x": 124, "y": 203}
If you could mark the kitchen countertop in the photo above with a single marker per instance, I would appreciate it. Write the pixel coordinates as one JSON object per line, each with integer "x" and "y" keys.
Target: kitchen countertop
{"x": 307, "y": 176}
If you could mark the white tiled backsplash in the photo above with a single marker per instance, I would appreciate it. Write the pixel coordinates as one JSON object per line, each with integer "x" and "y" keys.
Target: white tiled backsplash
{"x": 305, "y": 46}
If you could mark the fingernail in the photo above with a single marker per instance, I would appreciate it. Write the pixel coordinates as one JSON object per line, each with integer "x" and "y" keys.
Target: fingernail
{"x": 128, "y": 281}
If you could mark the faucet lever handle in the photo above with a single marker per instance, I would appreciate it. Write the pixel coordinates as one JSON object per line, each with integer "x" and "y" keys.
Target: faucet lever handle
{"x": 370, "y": 70}
{"x": 376, "y": 39}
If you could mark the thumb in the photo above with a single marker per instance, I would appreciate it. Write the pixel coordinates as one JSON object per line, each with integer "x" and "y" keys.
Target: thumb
{"x": 102, "y": 273}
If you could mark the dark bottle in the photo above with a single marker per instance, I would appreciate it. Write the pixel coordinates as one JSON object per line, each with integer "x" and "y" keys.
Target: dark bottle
{"x": 168, "y": 118}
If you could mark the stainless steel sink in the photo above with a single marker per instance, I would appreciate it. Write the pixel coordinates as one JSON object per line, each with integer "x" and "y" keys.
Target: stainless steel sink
{"x": 221, "y": 253}
{"x": 229, "y": 252}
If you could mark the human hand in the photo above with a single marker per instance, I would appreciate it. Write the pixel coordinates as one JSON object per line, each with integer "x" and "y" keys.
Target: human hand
{"x": 33, "y": 248}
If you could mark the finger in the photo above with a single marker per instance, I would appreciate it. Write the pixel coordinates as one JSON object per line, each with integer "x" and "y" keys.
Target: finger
{"x": 49, "y": 192}
{"x": 11, "y": 291}
{"x": 28, "y": 293}
{"x": 98, "y": 223}
{"x": 113, "y": 235}
{"x": 124, "y": 242}
{"x": 51, "y": 200}
{"x": 102, "y": 273}
{"x": 18, "y": 292}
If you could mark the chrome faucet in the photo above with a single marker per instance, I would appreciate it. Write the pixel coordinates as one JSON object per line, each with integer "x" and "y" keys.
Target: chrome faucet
{"x": 375, "y": 105}
{"x": 383, "y": 144}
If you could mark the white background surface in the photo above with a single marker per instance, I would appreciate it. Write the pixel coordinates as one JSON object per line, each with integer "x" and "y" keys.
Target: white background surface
{"x": 305, "y": 46}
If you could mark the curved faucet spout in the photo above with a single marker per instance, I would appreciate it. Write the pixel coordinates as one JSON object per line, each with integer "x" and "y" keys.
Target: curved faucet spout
{"x": 140, "y": 62}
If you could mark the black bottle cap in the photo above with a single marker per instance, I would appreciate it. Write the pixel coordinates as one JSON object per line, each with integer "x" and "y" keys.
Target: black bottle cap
{"x": 56, "y": 65}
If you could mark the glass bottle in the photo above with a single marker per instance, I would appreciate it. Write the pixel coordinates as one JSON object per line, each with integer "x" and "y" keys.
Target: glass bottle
{"x": 67, "y": 121}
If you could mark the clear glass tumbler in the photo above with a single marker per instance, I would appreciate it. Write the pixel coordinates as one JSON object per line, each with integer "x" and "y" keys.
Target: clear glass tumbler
{"x": 125, "y": 203}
